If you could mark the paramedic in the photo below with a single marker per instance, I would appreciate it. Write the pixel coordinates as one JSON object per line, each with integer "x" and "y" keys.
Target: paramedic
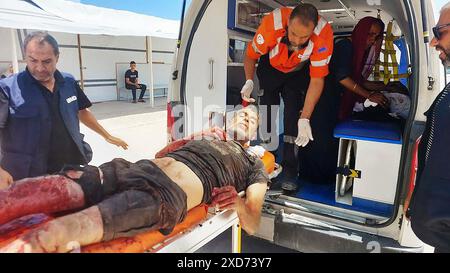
{"x": 40, "y": 110}
{"x": 294, "y": 47}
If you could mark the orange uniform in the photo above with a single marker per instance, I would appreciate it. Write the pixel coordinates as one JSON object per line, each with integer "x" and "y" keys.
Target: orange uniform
{"x": 268, "y": 40}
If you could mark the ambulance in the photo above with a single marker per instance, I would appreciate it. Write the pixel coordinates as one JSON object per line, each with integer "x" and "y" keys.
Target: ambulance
{"x": 355, "y": 213}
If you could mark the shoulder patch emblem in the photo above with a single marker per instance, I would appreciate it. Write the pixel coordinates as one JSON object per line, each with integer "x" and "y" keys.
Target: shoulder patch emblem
{"x": 322, "y": 49}
{"x": 260, "y": 39}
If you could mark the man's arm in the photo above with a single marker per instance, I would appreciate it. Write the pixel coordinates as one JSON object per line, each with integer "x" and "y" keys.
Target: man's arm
{"x": 249, "y": 67}
{"x": 88, "y": 119}
{"x": 127, "y": 80}
{"x": 249, "y": 207}
{"x": 5, "y": 178}
{"x": 313, "y": 94}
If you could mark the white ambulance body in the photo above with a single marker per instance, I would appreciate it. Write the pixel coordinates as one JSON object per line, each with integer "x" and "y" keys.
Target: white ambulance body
{"x": 208, "y": 68}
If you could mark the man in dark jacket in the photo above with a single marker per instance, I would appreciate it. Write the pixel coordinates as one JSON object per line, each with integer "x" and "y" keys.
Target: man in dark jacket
{"x": 40, "y": 113}
{"x": 430, "y": 204}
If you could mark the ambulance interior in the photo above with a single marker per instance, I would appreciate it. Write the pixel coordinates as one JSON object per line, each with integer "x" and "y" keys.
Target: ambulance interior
{"x": 370, "y": 153}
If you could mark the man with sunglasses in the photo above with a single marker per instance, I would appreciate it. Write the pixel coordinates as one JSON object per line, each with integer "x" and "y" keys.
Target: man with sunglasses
{"x": 430, "y": 204}
{"x": 285, "y": 42}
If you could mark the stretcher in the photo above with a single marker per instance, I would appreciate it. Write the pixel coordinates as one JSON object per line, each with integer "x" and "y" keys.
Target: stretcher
{"x": 201, "y": 225}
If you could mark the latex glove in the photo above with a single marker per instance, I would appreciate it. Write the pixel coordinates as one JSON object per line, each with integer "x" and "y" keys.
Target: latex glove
{"x": 304, "y": 132}
{"x": 5, "y": 179}
{"x": 224, "y": 198}
{"x": 117, "y": 141}
{"x": 247, "y": 90}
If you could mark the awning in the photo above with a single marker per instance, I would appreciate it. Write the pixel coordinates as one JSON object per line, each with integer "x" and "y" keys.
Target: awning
{"x": 77, "y": 18}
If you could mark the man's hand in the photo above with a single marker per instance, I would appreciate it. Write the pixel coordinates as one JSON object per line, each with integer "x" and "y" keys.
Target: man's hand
{"x": 117, "y": 141}
{"x": 304, "y": 132}
{"x": 5, "y": 179}
{"x": 247, "y": 90}
{"x": 224, "y": 198}
{"x": 380, "y": 99}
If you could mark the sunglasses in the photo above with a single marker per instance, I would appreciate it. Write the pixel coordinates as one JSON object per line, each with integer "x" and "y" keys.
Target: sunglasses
{"x": 436, "y": 29}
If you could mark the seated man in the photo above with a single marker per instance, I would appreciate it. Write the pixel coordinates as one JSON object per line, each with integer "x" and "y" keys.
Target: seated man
{"x": 121, "y": 198}
{"x": 132, "y": 82}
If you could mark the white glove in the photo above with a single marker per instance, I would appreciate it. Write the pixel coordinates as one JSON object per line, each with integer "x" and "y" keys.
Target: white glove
{"x": 368, "y": 103}
{"x": 247, "y": 90}
{"x": 304, "y": 132}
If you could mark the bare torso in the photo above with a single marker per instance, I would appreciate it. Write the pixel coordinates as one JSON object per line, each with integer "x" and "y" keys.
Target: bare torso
{"x": 184, "y": 177}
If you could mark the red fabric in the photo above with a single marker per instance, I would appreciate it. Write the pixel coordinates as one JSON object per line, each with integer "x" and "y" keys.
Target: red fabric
{"x": 360, "y": 53}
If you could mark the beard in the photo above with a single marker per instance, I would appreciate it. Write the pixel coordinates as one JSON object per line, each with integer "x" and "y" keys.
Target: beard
{"x": 445, "y": 55}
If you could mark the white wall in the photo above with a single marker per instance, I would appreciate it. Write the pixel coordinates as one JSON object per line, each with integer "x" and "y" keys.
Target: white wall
{"x": 99, "y": 63}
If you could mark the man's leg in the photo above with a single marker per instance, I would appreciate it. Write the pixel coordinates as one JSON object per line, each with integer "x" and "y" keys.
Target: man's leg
{"x": 47, "y": 194}
{"x": 293, "y": 97}
{"x": 63, "y": 234}
{"x": 271, "y": 82}
{"x": 318, "y": 160}
{"x": 143, "y": 88}
{"x": 133, "y": 92}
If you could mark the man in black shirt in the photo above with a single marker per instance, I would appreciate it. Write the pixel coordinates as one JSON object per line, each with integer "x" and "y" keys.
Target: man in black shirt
{"x": 40, "y": 110}
{"x": 132, "y": 82}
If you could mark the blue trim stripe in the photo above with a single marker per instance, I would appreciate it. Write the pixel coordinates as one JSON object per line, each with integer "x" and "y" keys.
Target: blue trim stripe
{"x": 368, "y": 139}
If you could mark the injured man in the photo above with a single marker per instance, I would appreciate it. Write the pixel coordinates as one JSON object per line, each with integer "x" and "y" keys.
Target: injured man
{"x": 122, "y": 199}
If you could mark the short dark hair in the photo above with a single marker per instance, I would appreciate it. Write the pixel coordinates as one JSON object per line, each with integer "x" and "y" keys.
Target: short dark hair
{"x": 132, "y": 62}
{"x": 42, "y": 38}
{"x": 306, "y": 13}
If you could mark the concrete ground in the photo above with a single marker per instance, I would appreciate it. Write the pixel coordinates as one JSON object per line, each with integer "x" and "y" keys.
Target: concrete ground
{"x": 140, "y": 125}
{"x": 144, "y": 129}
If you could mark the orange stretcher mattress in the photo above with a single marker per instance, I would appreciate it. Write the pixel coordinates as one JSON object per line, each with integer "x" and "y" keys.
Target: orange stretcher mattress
{"x": 145, "y": 241}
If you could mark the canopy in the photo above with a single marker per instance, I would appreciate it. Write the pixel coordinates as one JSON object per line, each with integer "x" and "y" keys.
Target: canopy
{"x": 71, "y": 17}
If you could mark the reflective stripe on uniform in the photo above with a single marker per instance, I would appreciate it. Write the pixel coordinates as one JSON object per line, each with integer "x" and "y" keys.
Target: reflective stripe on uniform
{"x": 277, "y": 19}
{"x": 329, "y": 59}
{"x": 308, "y": 51}
{"x": 255, "y": 48}
{"x": 320, "y": 25}
{"x": 319, "y": 63}
{"x": 274, "y": 52}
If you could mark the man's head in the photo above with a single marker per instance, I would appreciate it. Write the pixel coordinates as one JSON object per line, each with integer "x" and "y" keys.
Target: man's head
{"x": 133, "y": 65}
{"x": 441, "y": 40}
{"x": 244, "y": 123}
{"x": 41, "y": 55}
{"x": 304, "y": 19}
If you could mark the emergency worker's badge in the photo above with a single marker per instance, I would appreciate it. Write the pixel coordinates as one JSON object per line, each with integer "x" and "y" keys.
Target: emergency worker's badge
{"x": 260, "y": 39}
{"x": 301, "y": 56}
